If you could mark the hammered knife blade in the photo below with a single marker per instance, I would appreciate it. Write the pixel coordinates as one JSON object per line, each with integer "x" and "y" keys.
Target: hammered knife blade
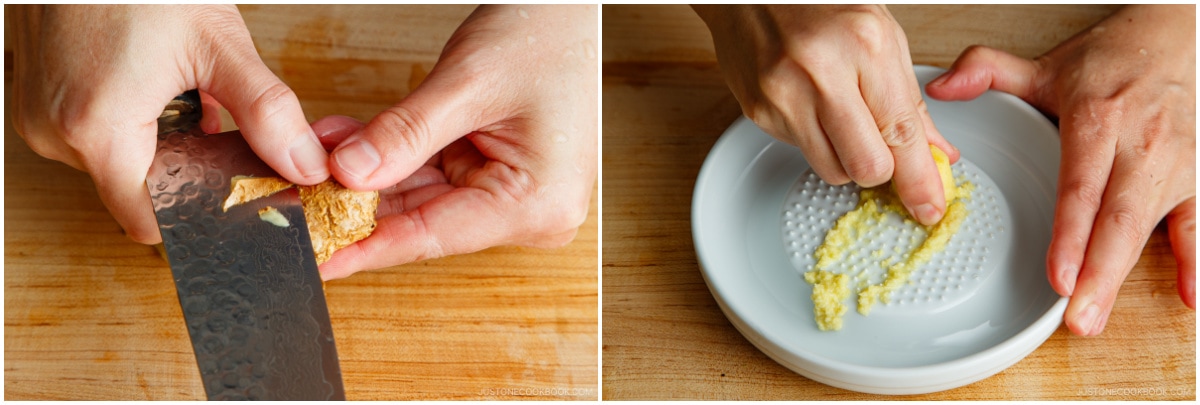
{"x": 249, "y": 290}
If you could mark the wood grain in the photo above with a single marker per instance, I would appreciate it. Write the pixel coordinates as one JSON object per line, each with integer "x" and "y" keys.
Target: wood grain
{"x": 664, "y": 106}
{"x": 91, "y": 315}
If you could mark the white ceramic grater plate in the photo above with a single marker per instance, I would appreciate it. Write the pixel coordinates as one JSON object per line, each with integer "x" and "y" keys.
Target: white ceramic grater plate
{"x": 975, "y": 309}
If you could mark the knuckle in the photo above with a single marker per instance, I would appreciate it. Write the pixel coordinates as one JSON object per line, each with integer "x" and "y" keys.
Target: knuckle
{"x": 760, "y": 114}
{"x": 869, "y": 29}
{"x": 775, "y": 76}
{"x": 976, "y": 52}
{"x": 1159, "y": 137}
{"x": 1087, "y": 191}
{"x": 549, "y": 241}
{"x": 71, "y": 127}
{"x": 869, "y": 170}
{"x": 1158, "y": 128}
{"x": 272, "y": 101}
{"x": 70, "y": 121}
{"x": 1109, "y": 108}
{"x": 903, "y": 131}
{"x": 815, "y": 57}
{"x": 38, "y": 141}
{"x": 573, "y": 215}
{"x": 409, "y": 127}
{"x": 778, "y": 86}
{"x": 759, "y": 108}
{"x": 43, "y": 147}
{"x": 432, "y": 248}
{"x": 567, "y": 216}
{"x": 21, "y": 124}
{"x": 563, "y": 217}
{"x": 561, "y": 239}
{"x": 830, "y": 173}
{"x": 1128, "y": 223}
{"x": 561, "y": 208}
{"x": 823, "y": 161}
{"x": 1095, "y": 116}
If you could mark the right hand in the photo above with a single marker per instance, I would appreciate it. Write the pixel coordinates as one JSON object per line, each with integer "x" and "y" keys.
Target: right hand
{"x": 1125, "y": 93}
{"x": 837, "y": 82}
{"x": 496, "y": 147}
{"x": 90, "y": 82}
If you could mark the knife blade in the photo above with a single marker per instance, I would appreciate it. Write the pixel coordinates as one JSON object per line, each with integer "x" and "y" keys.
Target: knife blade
{"x": 249, "y": 290}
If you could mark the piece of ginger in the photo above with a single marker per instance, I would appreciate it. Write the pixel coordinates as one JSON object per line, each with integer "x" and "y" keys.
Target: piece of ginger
{"x": 336, "y": 216}
{"x": 873, "y": 206}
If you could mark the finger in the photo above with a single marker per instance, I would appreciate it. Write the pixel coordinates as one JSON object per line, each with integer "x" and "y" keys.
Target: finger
{"x": 808, "y": 135}
{"x": 445, "y": 107}
{"x": 934, "y": 136}
{"x": 1123, "y": 225}
{"x": 463, "y": 160}
{"x": 892, "y": 97}
{"x": 1087, "y": 155}
{"x": 980, "y": 68}
{"x": 334, "y": 129}
{"x": 210, "y": 117}
{"x": 851, "y": 131}
{"x": 461, "y": 221}
{"x": 399, "y": 203}
{"x": 51, "y": 147}
{"x": 794, "y": 121}
{"x": 550, "y": 241}
{"x": 119, "y": 166}
{"x": 426, "y": 175}
{"x": 41, "y": 139}
{"x": 1181, "y": 228}
{"x": 267, "y": 112}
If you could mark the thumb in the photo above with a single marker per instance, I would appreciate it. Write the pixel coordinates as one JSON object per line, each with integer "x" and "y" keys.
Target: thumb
{"x": 445, "y": 107}
{"x": 267, "y": 112}
{"x": 1181, "y": 228}
{"x": 980, "y": 68}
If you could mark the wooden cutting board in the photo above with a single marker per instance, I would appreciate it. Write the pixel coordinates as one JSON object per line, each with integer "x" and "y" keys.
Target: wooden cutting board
{"x": 665, "y": 104}
{"x": 89, "y": 314}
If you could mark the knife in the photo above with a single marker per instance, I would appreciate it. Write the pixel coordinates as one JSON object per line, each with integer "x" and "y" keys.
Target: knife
{"x": 249, "y": 290}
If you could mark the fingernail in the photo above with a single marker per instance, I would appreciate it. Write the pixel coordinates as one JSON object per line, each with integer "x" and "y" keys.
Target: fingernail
{"x": 1088, "y": 318}
{"x": 941, "y": 79}
{"x": 1189, "y": 293}
{"x": 1100, "y": 325}
{"x": 309, "y": 157}
{"x": 1069, "y": 275}
{"x": 358, "y": 159}
{"x": 927, "y": 214}
{"x": 938, "y": 81}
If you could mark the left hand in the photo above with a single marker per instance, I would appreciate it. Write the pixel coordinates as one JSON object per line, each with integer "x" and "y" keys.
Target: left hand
{"x": 836, "y": 81}
{"x": 89, "y": 82}
{"x": 496, "y": 147}
{"x": 1125, "y": 93}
